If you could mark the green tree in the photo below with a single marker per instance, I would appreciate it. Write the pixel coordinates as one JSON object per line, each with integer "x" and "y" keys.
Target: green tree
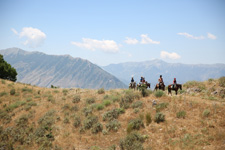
{"x": 6, "y": 71}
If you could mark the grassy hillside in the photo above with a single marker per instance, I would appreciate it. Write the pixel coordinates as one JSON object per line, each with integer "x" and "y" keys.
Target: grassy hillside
{"x": 42, "y": 118}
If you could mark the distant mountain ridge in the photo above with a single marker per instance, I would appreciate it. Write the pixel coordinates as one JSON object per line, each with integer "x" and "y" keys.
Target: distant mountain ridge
{"x": 40, "y": 69}
{"x": 151, "y": 70}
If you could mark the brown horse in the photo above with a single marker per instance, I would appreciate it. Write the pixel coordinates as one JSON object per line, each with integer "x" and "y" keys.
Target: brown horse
{"x": 132, "y": 85}
{"x": 176, "y": 88}
{"x": 161, "y": 87}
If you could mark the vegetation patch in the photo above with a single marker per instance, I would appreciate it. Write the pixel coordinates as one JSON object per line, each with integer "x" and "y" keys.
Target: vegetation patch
{"x": 206, "y": 113}
{"x": 135, "y": 124}
{"x": 76, "y": 99}
{"x": 101, "y": 91}
{"x": 12, "y": 92}
{"x": 132, "y": 141}
{"x": 137, "y": 104}
{"x": 148, "y": 118}
{"x": 113, "y": 125}
{"x": 107, "y": 103}
{"x": 112, "y": 114}
{"x": 159, "y": 117}
{"x": 181, "y": 114}
{"x": 90, "y": 100}
{"x": 97, "y": 127}
{"x": 90, "y": 121}
{"x": 159, "y": 93}
{"x": 161, "y": 106}
{"x": 222, "y": 81}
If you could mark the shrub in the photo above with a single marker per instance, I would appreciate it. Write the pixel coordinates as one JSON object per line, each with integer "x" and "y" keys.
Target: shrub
{"x": 159, "y": 93}
{"x": 210, "y": 80}
{"x": 76, "y": 99}
{"x": 2, "y": 94}
{"x": 3, "y": 81}
{"x": 101, "y": 91}
{"x": 148, "y": 118}
{"x": 12, "y": 92}
{"x": 27, "y": 90}
{"x": 206, "y": 113}
{"x": 159, "y": 117}
{"x": 161, "y": 106}
{"x": 222, "y": 81}
{"x": 135, "y": 124}
{"x": 65, "y": 91}
{"x": 137, "y": 104}
{"x": 106, "y": 103}
{"x": 90, "y": 121}
{"x": 87, "y": 111}
{"x": 5, "y": 117}
{"x": 97, "y": 128}
{"x": 74, "y": 108}
{"x": 132, "y": 141}
{"x": 76, "y": 122}
{"x": 99, "y": 106}
{"x": 181, "y": 114}
{"x": 113, "y": 114}
{"x": 113, "y": 125}
{"x": 145, "y": 92}
{"x": 66, "y": 107}
{"x": 90, "y": 100}
{"x": 66, "y": 120}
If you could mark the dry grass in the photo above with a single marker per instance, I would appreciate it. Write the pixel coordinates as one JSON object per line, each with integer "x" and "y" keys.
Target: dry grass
{"x": 197, "y": 130}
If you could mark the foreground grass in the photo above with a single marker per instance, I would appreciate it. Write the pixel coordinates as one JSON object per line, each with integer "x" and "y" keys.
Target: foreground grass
{"x": 42, "y": 118}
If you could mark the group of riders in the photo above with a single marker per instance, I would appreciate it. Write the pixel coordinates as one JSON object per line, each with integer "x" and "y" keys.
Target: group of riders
{"x": 160, "y": 84}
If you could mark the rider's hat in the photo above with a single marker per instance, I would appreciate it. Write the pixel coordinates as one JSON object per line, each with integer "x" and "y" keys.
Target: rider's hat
{"x": 160, "y": 75}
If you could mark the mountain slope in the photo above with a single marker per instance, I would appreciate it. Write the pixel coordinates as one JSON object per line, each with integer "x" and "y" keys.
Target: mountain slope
{"x": 65, "y": 71}
{"x": 151, "y": 70}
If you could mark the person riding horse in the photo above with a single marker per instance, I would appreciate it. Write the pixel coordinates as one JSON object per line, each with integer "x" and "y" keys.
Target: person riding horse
{"x": 160, "y": 81}
{"x": 174, "y": 83}
{"x": 132, "y": 79}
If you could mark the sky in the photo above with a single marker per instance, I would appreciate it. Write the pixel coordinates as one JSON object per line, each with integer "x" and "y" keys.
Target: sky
{"x": 110, "y": 32}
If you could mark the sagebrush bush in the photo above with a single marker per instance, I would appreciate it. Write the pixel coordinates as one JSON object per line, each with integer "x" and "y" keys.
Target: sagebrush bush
{"x": 65, "y": 91}
{"x": 90, "y": 121}
{"x": 161, "y": 106}
{"x": 99, "y": 106}
{"x": 107, "y": 103}
{"x": 12, "y": 92}
{"x": 27, "y": 90}
{"x": 222, "y": 81}
{"x": 148, "y": 118}
{"x": 137, "y": 104}
{"x": 101, "y": 91}
{"x": 90, "y": 100}
{"x": 113, "y": 125}
{"x": 97, "y": 127}
{"x": 145, "y": 92}
{"x": 133, "y": 141}
{"x": 5, "y": 117}
{"x": 135, "y": 124}
{"x": 3, "y": 94}
{"x": 112, "y": 114}
{"x": 76, "y": 99}
{"x": 77, "y": 122}
{"x": 206, "y": 113}
{"x": 87, "y": 111}
{"x": 159, "y": 93}
{"x": 159, "y": 117}
{"x": 181, "y": 114}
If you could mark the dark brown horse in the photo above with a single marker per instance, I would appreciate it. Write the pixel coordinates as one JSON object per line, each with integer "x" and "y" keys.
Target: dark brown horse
{"x": 161, "y": 87}
{"x": 176, "y": 88}
{"x": 132, "y": 85}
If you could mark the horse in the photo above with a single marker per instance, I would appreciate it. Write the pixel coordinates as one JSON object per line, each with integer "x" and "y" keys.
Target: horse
{"x": 132, "y": 85}
{"x": 161, "y": 87}
{"x": 176, "y": 88}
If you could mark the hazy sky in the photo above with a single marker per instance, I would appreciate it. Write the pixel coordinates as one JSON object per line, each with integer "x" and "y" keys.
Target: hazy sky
{"x": 105, "y": 32}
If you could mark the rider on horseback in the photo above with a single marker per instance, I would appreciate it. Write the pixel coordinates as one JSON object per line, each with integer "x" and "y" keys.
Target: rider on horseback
{"x": 160, "y": 81}
{"x": 174, "y": 83}
{"x": 132, "y": 79}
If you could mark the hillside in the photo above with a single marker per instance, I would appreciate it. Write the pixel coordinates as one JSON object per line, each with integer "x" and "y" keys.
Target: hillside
{"x": 39, "y": 69}
{"x": 32, "y": 117}
{"x": 151, "y": 70}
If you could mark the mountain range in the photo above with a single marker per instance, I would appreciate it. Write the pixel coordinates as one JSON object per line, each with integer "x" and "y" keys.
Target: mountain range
{"x": 44, "y": 70}
{"x": 151, "y": 70}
